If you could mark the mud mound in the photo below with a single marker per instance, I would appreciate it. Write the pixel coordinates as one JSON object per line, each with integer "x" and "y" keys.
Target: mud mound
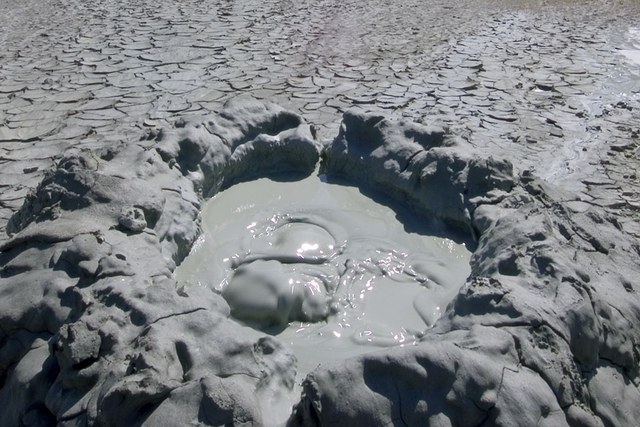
{"x": 95, "y": 330}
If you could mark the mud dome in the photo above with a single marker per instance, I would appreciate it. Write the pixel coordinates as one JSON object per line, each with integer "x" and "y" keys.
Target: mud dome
{"x": 96, "y": 331}
{"x": 328, "y": 270}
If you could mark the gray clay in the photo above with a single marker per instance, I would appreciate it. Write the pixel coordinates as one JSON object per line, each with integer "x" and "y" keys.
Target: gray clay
{"x": 327, "y": 270}
{"x": 510, "y": 127}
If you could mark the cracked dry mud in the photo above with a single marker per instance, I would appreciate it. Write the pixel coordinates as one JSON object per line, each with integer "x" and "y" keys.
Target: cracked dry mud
{"x": 516, "y": 122}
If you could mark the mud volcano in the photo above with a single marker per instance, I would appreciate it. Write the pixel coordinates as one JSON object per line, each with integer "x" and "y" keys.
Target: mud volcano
{"x": 329, "y": 271}
{"x": 96, "y": 330}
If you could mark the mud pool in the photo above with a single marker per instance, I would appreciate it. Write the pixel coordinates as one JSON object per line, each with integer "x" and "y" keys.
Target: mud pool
{"x": 328, "y": 270}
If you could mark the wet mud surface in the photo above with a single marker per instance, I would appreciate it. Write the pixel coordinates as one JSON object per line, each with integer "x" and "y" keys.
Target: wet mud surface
{"x": 116, "y": 125}
{"x": 326, "y": 269}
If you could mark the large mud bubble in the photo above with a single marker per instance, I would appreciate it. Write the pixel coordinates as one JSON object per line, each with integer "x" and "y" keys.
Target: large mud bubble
{"x": 95, "y": 329}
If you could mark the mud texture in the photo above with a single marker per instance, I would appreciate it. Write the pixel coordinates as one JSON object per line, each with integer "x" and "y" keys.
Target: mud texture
{"x": 94, "y": 328}
{"x": 538, "y": 333}
{"x": 515, "y": 122}
{"x": 532, "y": 338}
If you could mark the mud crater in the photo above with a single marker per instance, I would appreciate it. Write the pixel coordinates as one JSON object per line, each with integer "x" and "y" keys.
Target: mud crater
{"x": 330, "y": 271}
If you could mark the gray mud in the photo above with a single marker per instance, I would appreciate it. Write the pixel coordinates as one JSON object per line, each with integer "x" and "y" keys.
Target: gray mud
{"x": 329, "y": 271}
{"x": 515, "y": 124}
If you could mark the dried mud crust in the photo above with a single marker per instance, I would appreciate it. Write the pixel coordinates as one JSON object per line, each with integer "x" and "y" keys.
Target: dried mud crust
{"x": 545, "y": 330}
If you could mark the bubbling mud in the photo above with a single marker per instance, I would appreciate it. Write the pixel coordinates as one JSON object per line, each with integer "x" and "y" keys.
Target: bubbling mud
{"x": 328, "y": 270}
